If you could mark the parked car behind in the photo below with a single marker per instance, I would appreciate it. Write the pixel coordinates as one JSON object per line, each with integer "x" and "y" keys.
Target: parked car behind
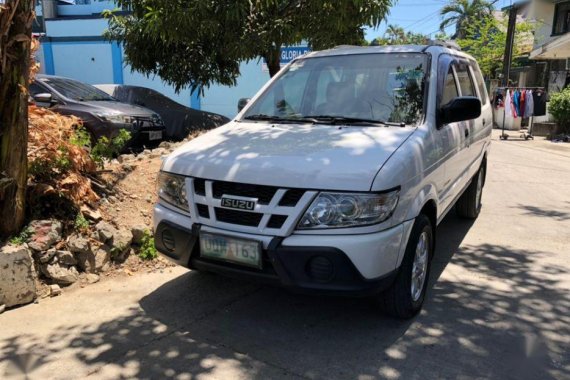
{"x": 101, "y": 114}
{"x": 333, "y": 178}
{"x": 178, "y": 119}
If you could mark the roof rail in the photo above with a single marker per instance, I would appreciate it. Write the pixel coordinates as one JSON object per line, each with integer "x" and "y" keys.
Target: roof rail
{"x": 345, "y": 46}
{"x": 447, "y": 44}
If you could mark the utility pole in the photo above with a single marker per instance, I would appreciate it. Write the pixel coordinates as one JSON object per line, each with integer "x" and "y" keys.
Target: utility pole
{"x": 508, "y": 56}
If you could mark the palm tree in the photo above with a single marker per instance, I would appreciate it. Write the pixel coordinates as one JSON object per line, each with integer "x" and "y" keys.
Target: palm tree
{"x": 395, "y": 34}
{"x": 461, "y": 12}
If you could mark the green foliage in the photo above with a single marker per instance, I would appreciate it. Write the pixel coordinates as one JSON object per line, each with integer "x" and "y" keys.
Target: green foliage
{"x": 485, "y": 40}
{"x": 559, "y": 107}
{"x": 396, "y": 35}
{"x": 107, "y": 149}
{"x": 81, "y": 137}
{"x": 196, "y": 43}
{"x": 463, "y": 13}
{"x": 147, "y": 250}
{"x": 22, "y": 237}
{"x": 80, "y": 222}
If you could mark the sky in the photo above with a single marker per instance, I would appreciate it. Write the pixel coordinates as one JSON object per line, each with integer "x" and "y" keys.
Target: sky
{"x": 419, "y": 16}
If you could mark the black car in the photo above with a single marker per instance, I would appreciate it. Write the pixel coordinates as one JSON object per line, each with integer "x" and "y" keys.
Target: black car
{"x": 178, "y": 119}
{"x": 101, "y": 114}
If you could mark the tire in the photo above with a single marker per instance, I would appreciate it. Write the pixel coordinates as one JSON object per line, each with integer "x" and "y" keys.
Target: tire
{"x": 469, "y": 204}
{"x": 402, "y": 300}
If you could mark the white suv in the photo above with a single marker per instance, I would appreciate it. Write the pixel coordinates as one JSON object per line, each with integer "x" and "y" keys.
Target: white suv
{"x": 334, "y": 177}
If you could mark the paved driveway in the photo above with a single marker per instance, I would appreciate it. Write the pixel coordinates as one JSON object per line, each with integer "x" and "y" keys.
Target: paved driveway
{"x": 498, "y": 307}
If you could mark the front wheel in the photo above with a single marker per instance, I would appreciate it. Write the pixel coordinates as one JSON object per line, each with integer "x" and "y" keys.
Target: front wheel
{"x": 405, "y": 297}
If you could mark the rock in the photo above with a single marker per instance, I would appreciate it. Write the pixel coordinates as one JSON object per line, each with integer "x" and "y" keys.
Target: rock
{"x": 121, "y": 245}
{"x": 45, "y": 257}
{"x": 138, "y": 233}
{"x": 2, "y": 308}
{"x": 78, "y": 244}
{"x": 113, "y": 199}
{"x": 95, "y": 261}
{"x": 105, "y": 231}
{"x": 44, "y": 234}
{"x": 60, "y": 274}
{"x": 17, "y": 276}
{"x": 54, "y": 290}
{"x": 91, "y": 214}
{"x": 165, "y": 144}
{"x": 66, "y": 258}
{"x": 91, "y": 278}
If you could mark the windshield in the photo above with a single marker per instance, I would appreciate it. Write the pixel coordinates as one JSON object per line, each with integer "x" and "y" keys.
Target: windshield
{"x": 383, "y": 87}
{"x": 76, "y": 90}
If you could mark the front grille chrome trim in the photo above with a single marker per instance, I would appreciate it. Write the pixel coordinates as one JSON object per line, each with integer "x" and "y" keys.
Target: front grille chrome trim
{"x": 292, "y": 213}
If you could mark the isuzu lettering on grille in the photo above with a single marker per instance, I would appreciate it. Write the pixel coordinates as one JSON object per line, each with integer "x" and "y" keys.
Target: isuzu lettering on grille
{"x": 239, "y": 204}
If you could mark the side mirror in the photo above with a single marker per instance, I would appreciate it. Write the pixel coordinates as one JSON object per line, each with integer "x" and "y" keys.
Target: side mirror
{"x": 44, "y": 99}
{"x": 460, "y": 109}
{"x": 242, "y": 103}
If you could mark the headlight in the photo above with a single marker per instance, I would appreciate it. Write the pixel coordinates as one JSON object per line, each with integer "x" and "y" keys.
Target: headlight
{"x": 333, "y": 210}
{"x": 116, "y": 117}
{"x": 172, "y": 189}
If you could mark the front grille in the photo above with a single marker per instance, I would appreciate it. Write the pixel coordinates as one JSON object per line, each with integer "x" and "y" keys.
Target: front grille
{"x": 203, "y": 211}
{"x": 264, "y": 194}
{"x": 200, "y": 186}
{"x": 250, "y": 219}
{"x": 276, "y": 221}
{"x": 291, "y": 197}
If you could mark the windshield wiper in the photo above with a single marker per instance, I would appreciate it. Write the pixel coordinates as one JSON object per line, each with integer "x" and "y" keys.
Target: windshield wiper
{"x": 278, "y": 119}
{"x": 350, "y": 120}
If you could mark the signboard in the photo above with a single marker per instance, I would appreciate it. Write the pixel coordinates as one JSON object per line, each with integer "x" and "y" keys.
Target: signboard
{"x": 288, "y": 54}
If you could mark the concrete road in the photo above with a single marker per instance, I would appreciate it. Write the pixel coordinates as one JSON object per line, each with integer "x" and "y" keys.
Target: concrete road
{"x": 498, "y": 307}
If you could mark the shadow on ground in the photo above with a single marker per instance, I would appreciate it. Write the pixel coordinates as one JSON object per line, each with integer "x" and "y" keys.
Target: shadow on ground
{"x": 509, "y": 318}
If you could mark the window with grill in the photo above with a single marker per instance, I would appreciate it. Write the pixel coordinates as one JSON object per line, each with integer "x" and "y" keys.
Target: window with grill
{"x": 561, "y": 22}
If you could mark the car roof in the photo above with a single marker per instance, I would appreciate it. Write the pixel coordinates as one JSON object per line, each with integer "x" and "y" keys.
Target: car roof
{"x": 353, "y": 50}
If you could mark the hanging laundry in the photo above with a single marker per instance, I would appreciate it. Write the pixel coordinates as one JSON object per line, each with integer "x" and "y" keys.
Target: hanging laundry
{"x": 508, "y": 103}
{"x": 522, "y": 102}
{"x": 517, "y": 103}
{"x": 529, "y": 104}
{"x": 539, "y": 99}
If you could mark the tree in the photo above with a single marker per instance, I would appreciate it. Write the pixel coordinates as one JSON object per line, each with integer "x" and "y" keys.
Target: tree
{"x": 396, "y": 35}
{"x": 485, "y": 39}
{"x": 196, "y": 43}
{"x": 463, "y": 13}
{"x": 16, "y": 19}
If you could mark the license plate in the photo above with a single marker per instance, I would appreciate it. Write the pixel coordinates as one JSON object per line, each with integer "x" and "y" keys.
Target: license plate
{"x": 155, "y": 135}
{"x": 229, "y": 249}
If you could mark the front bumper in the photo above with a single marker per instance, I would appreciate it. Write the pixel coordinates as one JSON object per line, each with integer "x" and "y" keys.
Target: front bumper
{"x": 354, "y": 265}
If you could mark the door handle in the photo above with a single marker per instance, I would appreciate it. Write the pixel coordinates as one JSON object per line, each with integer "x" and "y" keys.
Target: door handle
{"x": 467, "y": 132}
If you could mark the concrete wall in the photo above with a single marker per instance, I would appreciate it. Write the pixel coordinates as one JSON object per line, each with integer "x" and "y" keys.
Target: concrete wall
{"x": 542, "y": 12}
{"x": 89, "y": 62}
{"x": 76, "y": 28}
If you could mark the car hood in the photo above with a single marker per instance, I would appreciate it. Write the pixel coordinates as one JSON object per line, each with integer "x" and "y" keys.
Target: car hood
{"x": 297, "y": 155}
{"x": 117, "y": 107}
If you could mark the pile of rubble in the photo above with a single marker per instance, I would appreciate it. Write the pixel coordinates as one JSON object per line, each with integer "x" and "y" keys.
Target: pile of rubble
{"x": 60, "y": 261}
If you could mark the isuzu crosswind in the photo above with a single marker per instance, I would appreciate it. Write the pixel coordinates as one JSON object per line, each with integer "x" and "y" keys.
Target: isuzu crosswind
{"x": 333, "y": 178}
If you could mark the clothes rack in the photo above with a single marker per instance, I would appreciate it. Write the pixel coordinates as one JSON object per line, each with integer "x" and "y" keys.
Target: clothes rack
{"x": 525, "y": 135}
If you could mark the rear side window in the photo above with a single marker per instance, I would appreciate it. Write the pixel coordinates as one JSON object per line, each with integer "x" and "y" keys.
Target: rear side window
{"x": 464, "y": 79}
{"x": 449, "y": 88}
{"x": 480, "y": 84}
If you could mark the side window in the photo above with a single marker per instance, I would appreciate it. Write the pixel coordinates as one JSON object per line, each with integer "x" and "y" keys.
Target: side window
{"x": 464, "y": 79}
{"x": 480, "y": 84}
{"x": 449, "y": 88}
{"x": 35, "y": 89}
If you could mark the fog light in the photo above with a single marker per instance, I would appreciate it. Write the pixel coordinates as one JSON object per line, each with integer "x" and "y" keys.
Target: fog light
{"x": 320, "y": 268}
{"x": 168, "y": 240}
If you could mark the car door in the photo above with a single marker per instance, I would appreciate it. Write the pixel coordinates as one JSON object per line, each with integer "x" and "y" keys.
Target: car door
{"x": 484, "y": 124}
{"x": 453, "y": 136}
{"x": 473, "y": 127}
